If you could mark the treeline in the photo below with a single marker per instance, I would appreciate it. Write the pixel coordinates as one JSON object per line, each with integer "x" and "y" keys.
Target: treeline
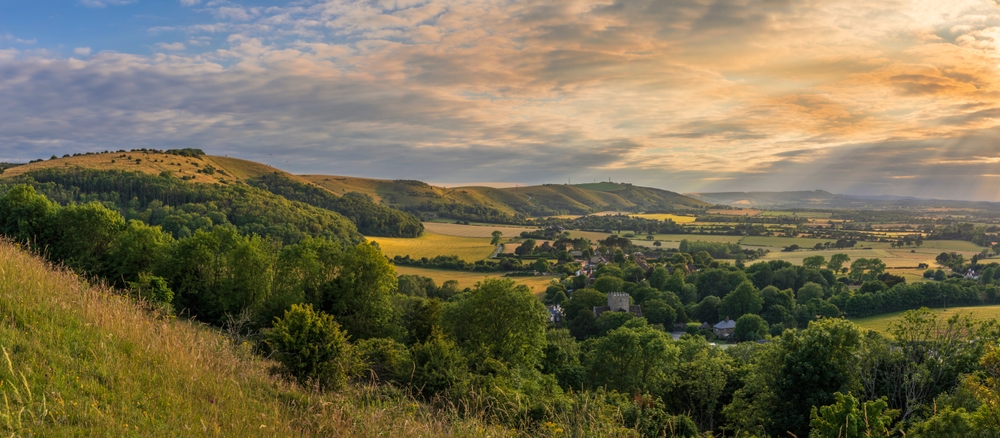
{"x": 182, "y": 208}
{"x": 371, "y": 219}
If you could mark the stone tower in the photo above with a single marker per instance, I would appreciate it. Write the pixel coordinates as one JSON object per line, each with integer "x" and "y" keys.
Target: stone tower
{"x": 618, "y": 302}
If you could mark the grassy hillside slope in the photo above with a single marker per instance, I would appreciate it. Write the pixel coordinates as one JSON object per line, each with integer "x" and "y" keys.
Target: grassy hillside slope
{"x": 77, "y": 360}
{"x": 530, "y": 200}
{"x": 369, "y": 217}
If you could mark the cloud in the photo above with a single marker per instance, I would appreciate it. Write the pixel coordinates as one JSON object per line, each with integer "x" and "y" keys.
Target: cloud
{"x": 686, "y": 94}
{"x": 105, "y": 3}
{"x": 82, "y": 51}
{"x": 171, "y": 46}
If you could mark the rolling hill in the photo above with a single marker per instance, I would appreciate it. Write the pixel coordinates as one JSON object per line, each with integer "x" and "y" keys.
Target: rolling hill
{"x": 369, "y": 217}
{"x": 499, "y": 203}
{"x": 375, "y": 204}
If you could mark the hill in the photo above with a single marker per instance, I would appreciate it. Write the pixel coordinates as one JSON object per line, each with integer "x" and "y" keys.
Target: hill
{"x": 79, "y": 360}
{"x": 491, "y": 204}
{"x": 369, "y": 217}
{"x": 813, "y": 199}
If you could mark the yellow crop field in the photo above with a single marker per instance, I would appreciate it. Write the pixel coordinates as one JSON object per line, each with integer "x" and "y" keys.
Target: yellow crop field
{"x": 662, "y": 217}
{"x": 453, "y": 229}
{"x": 430, "y": 245}
{"x": 537, "y": 284}
{"x": 880, "y": 323}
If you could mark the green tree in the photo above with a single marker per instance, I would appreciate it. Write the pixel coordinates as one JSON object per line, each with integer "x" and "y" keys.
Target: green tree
{"x": 439, "y": 366}
{"x": 27, "y": 216}
{"x": 632, "y": 358}
{"x": 609, "y": 284}
{"x": 499, "y": 319}
{"x": 137, "y": 249}
{"x": 837, "y": 261}
{"x": 814, "y": 262}
{"x": 497, "y": 237}
{"x": 312, "y": 347}
{"x": 808, "y": 292}
{"x": 849, "y": 418}
{"x": 745, "y": 299}
{"x": 750, "y": 327}
{"x": 360, "y": 294}
{"x": 657, "y": 311}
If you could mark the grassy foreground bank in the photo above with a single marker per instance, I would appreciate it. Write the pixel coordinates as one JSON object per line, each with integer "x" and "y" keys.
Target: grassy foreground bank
{"x": 76, "y": 359}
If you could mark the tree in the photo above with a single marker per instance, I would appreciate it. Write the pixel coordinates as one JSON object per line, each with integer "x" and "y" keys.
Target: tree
{"x": 525, "y": 248}
{"x": 657, "y": 311}
{"x": 867, "y": 269}
{"x": 745, "y": 299}
{"x": 750, "y": 327}
{"x": 808, "y": 292}
{"x": 438, "y": 367}
{"x": 499, "y": 319}
{"x": 540, "y": 265}
{"x": 497, "y": 237}
{"x": 849, "y": 418}
{"x": 837, "y": 261}
{"x": 360, "y": 294}
{"x": 631, "y": 358}
{"x": 312, "y": 347}
{"x": 609, "y": 284}
{"x": 26, "y": 216}
{"x": 814, "y": 262}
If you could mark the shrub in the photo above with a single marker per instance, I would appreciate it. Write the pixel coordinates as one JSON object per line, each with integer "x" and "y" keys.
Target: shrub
{"x": 312, "y": 347}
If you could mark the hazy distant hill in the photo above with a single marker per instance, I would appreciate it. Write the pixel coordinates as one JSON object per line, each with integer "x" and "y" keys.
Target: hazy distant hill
{"x": 827, "y": 200}
{"x": 496, "y": 203}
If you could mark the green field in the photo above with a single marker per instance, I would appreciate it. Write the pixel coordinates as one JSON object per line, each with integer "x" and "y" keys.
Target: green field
{"x": 880, "y": 323}
{"x": 537, "y": 284}
{"x": 430, "y": 245}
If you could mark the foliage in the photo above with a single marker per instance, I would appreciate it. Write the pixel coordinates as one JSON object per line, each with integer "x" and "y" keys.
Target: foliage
{"x": 312, "y": 347}
{"x": 849, "y": 418}
{"x": 498, "y": 320}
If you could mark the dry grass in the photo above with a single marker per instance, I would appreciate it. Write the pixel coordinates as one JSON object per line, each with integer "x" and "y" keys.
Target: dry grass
{"x": 453, "y": 229}
{"x": 78, "y": 360}
{"x": 430, "y": 245}
{"x": 664, "y": 216}
{"x": 880, "y": 323}
{"x": 537, "y": 284}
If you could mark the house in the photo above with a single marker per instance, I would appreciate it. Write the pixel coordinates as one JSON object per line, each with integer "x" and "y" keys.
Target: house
{"x": 618, "y": 302}
{"x": 555, "y": 314}
{"x": 576, "y": 254}
{"x": 724, "y": 328}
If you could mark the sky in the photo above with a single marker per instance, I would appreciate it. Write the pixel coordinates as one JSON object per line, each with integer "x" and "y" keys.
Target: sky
{"x": 881, "y": 97}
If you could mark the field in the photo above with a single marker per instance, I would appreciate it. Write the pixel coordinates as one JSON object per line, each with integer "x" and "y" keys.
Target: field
{"x": 660, "y": 217}
{"x": 537, "y": 284}
{"x": 429, "y": 245}
{"x": 453, "y": 229}
{"x": 880, "y": 323}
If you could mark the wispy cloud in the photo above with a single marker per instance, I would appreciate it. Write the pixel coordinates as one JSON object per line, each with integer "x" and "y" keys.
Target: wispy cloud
{"x": 105, "y": 3}
{"x": 686, "y": 94}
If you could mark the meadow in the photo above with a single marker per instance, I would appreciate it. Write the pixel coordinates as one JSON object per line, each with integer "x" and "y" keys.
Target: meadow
{"x": 431, "y": 244}
{"x": 881, "y": 323}
{"x": 485, "y": 230}
{"x": 465, "y": 279}
{"x": 664, "y": 216}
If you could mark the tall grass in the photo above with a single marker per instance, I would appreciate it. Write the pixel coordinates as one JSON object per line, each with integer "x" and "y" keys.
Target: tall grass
{"x": 77, "y": 359}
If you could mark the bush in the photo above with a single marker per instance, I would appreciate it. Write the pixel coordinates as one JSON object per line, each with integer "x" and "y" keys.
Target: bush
{"x": 312, "y": 347}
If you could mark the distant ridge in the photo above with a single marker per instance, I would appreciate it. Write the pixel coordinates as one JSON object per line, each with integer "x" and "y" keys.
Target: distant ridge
{"x": 807, "y": 199}
{"x": 539, "y": 200}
